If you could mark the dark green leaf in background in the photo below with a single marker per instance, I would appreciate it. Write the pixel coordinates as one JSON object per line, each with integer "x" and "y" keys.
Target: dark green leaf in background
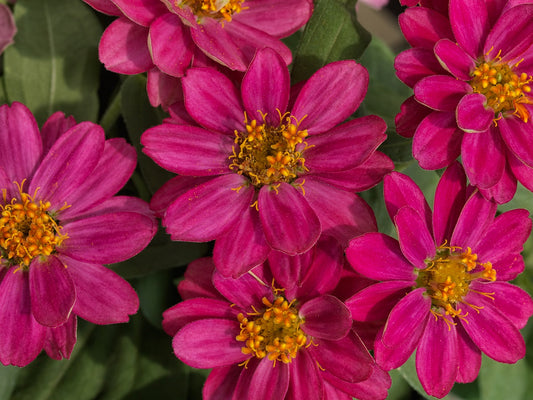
{"x": 54, "y": 65}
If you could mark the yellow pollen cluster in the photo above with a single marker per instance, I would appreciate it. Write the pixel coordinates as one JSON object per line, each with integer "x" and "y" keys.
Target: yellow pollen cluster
{"x": 504, "y": 90}
{"x": 269, "y": 155}
{"x": 216, "y": 9}
{"x": 27, "y": 231}
{"x": 448, "y": 276}
{"x": 275, "y": 333}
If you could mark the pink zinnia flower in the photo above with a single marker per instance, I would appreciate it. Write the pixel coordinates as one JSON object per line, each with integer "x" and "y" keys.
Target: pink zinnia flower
{"x": 258, "y": 176}
{"x": 166, "y": 37}
{"x": 444, "y": 281}
{"x": 471, "y": 75}
{"x": 59, "y": 223}
{"x": 7, "y": 27}
{"x": 275, "y": 333}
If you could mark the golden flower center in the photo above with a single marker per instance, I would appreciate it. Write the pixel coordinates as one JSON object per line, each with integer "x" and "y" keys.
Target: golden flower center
{"x": 447, "y": 279}
{"x": 275, "y": 333}
{"x": 27, "y": 230}
{"x": 216, "y": 9}
{"x": 504, "y": 89}
{"x": 268, "y": 154}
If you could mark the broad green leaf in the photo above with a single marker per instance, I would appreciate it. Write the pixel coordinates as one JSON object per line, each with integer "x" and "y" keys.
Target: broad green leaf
{"x": 8, "y": 380}
{"x": 54, "y": 63}
{"x": 3, "y": 96}
{"x": 503, "y": 381}
{"x": 333, "y": 33}
{"x": 139, "y": 115}
{"x": 399, "y": 389}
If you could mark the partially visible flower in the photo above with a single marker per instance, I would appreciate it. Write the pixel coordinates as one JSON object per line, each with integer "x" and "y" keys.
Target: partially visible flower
{"x": 60, "y": 221}
{"x": 375, "y": 4}
{"x": 166, "y": 37}
{"x": 274, "y": 333}
{"x": 261, "y": 171}
{"x": 444, "y": 289}
{"x": 7, "y": 27}
{"x": 471, "y": 73}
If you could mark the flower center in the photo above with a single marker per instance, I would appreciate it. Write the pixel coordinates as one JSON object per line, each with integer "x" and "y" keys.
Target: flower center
{"x": 268, "y": 154}
{"x": 27, "y": 230}
{"x": 275, "y": 333}
{"x": 216, "y": 9}
{"x": 504, "y": 89}
{"x": 448, "y": 276}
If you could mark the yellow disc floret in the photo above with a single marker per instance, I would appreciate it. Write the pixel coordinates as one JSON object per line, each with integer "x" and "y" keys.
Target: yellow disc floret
{"x": 270, "y": 154}
{"x": 448, "y": 276}
{"x": 506, "y": 91}
{"x": 27, "y": 230}
{"x": 216, "y": 9}
{"x": 275, "y": 333}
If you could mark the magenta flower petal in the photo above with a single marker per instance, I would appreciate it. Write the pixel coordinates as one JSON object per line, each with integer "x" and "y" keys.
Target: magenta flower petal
{"x": 275, "y": 379}
{"x": 209, "y": 343}
{"x": 470, "y": 24}
{"x": 342, "y": 214}
{"x": 506, "y": 235}
{"x": 284, "y": 21}
{"x": 20, "y": 144}
{"x": 142, "y": 12}
{"x": 221, "y": 382}
{"x": 416, "y": 241}
{"x": 375, "y": 302}
{"x": 68, "y": 163}
{"x": 243, "y": 292}
{"x": 375, "y": 387}
{"x": 22, "y": 337}
{"x": 187, "y": 220}
{"x": 170, "y": 44}
{"x": 345, "y": 146}
{"x": 423, "y": 27}
{"x": 305, "y": 382}
{"x": 505, "y": 189}
{"x": 347, "y": 358}
{"x": 217, "y": 43}
{"x": 472, "y": 115}
{"x": 8, "y": 28}
{"x": 475, "y": 217}
{"x": 123, "y": 48}
{"x": 454, "y": 59}
{"x": 441, "y": 92}
{"x": 515, "y": 303}
{"x": 172, "y": 189}
{"x": 191, "y": 310}
{"x": 512, "y": 33}
{"x": 60, "y": 341}
{"x": 102, "y": 296}
{"x": 188, "y": 150}
{"x": 339, "y": 86}
{"x": 399, "y": 191}
{"x": 411, "y": 65}
{"x": 164, "y": 90}
{"x": 493, "y": 333}
{"x": 450, "y": 196}
{"x": 469, "y": 357}
{"x": 55, "y": 126}
{"x": 197, "y": 281}
{"x": 410, "y": 115}
{"x": 378, "y": 256}
{"x": 213, "y": 101}
{"x": 236, "y": 260}
{"x": 402, "y": 332}
{"x": 437, "y": 140}
{"x": 108, "y": 238}
{"x": 326, "y": 317}
{"x": 104, "y": 6}
{"x": 265, "y": 87}
{"x": 289, "y": 222}
{"x": 52, "y": 291}
{"x": 509, "y": 267}
{"x": 437, "y": 360}
{"x": 517, "y": 136}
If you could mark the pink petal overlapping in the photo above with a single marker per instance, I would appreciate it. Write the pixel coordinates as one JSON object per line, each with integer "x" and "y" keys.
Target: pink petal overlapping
{"x": 471, "y": 71}
{"x": 240, "y": 197}
{"x": 165, "y": 38}
{"x": 64, "y": 174}
{"x": 331, "y": 362}
{"x": 443, "y": 286}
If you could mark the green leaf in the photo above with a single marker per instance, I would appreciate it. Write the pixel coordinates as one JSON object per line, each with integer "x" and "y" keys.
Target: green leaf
{"x": 139, "y": 115}
{"x": 54, "y": 63}
{"x": 8, "y": 379}
{"x": 503, "y": 381}
{"x": 333, "y": 33}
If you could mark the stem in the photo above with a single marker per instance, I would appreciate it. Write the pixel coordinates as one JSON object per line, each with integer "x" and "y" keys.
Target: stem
{"x": 110, "y": 117}
{"x": 142, "y": 189}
